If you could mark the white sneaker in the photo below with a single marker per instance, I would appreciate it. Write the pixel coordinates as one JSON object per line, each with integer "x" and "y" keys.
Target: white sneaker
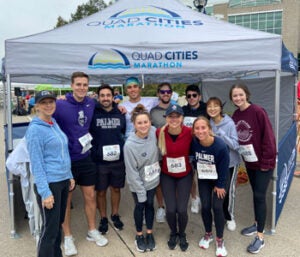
{"x": 69, "y": 246}
{"x": 205, "y": 241}
{"x": 231, "y": 225}
{"x": 220, "y": 250}
{"x": 160, "y": 215}
{"x": 195, "y": 204}
{"x": 95, "y": 236}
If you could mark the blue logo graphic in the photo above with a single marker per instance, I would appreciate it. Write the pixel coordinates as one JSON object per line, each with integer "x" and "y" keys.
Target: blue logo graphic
{"x": 147, "y": 11}
{"x": 109, "y": 59}
{"x": 145, "y": 16}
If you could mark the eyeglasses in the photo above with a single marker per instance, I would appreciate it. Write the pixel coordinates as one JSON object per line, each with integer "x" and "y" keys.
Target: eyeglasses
{"x": 168, "y": 91}
{"x": 191, "y": 95}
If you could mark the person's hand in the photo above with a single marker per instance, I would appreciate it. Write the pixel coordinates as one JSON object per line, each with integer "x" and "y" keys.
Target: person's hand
{"x": 72, "y": 184}
{"x": 220, "y": 192}
{"x": 48, "y": 202}
{"x": 122, "y": 109}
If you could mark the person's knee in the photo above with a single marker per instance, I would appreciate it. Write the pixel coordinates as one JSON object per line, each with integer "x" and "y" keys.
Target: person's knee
{"x": 115, "y": 190}
{"x": 101, "y": 193}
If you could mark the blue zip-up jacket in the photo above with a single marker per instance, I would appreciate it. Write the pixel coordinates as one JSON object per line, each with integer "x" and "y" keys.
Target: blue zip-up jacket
{"x": 107, "y": 128}
{"x": 49, "y": 156}
{"x": 74, "y": 119}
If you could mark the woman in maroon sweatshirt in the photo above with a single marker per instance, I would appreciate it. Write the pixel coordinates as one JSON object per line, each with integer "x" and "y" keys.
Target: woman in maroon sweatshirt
{"x": 258, "y": 149}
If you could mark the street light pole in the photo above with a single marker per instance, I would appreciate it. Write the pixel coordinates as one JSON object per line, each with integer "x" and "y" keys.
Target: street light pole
{"x": 200, "y": 5}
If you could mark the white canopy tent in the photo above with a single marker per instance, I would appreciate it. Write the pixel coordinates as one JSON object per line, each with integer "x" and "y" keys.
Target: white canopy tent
{"x": 152, "y": 39}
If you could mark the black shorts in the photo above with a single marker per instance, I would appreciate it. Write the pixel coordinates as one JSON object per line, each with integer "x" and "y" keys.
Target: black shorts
{"x": 84, "y": 172}
{"x": 110, "y": 175}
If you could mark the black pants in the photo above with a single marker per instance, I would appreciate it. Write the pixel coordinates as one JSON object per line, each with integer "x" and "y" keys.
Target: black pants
{"x": 140, "y": 208}
{"x": 229, "y": 201}
{"x": 209, "y": 200}
{"x": 176, "y": 192}
{"x": 259, "y": 181}
{"x": 50, "y": 239}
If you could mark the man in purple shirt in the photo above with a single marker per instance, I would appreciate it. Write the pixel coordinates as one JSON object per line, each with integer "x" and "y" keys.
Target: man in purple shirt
{"x": 74, "y": 115}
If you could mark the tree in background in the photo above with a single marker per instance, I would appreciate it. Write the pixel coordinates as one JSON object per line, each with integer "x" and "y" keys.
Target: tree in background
{"x": 83, "y": 10}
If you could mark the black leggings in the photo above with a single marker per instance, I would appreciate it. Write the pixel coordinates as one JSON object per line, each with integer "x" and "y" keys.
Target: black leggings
{"x": 259, "y": 181}
{"x": 140, "y": 208}
{"x": 176, "y": 192}
{"x": 210, "y": 200}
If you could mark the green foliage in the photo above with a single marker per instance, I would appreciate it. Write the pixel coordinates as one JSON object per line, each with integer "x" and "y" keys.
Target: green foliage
{"x": 83, "y": 10}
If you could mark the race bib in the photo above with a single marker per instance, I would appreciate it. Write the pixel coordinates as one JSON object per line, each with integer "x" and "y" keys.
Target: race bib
{"x": 176, "y": 165}
{"x": 111, "y": 152}
{"x": 206, "y": 171}
{"x": 188, "y": 121}
{"x": 247, "y": 151}
{"x": 85, "y": 142}
{"x": 152, "y": 171}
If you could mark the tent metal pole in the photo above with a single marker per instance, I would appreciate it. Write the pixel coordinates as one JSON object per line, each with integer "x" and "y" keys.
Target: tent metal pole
{"x": 275, "y": 175}
{"x": 9, "y": 150}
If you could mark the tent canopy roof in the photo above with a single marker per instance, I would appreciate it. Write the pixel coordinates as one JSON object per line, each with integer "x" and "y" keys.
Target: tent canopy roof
{"x": 152, "y": 38}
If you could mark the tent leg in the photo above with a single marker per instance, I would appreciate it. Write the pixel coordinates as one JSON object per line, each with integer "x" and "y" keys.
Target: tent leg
{"x": 10, "y": 180}
{"x": 275, "y": 175}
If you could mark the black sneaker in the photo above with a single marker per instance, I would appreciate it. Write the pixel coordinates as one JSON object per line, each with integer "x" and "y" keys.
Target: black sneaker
{"x": 103, "y": 226}
{"x": 183, "y": 243}
{"x": 118, "y": 224}
{"x": 172, "y": 243}
{"x": 140, "y": 243}
{"x": 150, "y": 242}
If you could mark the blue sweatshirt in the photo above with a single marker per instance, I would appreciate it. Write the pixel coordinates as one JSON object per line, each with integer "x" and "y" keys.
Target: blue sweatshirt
{"x": 74, "y": 119}
{"x": 107, "y": 129}
{"x": 216, "y": 154}
{"x": 49, "y": 156}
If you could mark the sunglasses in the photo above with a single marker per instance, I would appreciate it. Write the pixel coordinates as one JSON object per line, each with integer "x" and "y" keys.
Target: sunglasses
{"x": 169, "y": 91}
{"x": 191, "y": 95}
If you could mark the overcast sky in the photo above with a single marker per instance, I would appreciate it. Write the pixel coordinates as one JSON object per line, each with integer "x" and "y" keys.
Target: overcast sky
{"x": 26, "y": 17}
{"x": 20, "y": 18}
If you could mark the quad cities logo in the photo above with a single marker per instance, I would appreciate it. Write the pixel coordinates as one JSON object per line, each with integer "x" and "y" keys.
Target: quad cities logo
{"x": 145, "y": 16}
{"x": 115, "y": 59}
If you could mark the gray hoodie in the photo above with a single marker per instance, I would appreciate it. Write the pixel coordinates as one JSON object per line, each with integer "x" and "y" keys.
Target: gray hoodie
{"x": 227, "y": 131}
{"x": 141, "y": 157}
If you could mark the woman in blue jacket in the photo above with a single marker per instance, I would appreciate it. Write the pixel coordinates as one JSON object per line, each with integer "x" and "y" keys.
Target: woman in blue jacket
{"x": 51, "y": 168}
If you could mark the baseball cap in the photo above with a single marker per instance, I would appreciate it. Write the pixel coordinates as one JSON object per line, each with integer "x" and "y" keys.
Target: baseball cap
{"x": 132, "y": 81}
{"x": 174, "y": 108}
{"x": 43, "y": 95}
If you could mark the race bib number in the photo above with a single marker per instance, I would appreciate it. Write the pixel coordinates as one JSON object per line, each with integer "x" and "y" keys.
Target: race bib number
{"x": 111, "y": 152}
{"x": 206, "y": 171}
{"x": 85, "y": 142}
{"x": 152, "y": 171}
{"x": 188, "y": 121}
{"x": 176, "y": 165}
{"x": 248, "y": 153}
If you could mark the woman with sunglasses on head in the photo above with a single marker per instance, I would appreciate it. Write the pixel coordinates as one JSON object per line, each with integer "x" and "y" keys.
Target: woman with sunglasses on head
{"x": 176, "y": 178}
{"x": 211, "y": 160}
{"x": 224, "y": 127}
{"x": 141, "y": 158}
{"x": 51, "y": 168}
{"x": 258, "y": 149}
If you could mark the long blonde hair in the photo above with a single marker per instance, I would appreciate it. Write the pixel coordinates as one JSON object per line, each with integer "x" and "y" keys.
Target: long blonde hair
{"x": 162, "y": 140}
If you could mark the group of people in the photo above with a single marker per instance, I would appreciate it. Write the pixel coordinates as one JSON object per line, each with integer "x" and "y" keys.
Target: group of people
{"x": 161, "y": 149}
